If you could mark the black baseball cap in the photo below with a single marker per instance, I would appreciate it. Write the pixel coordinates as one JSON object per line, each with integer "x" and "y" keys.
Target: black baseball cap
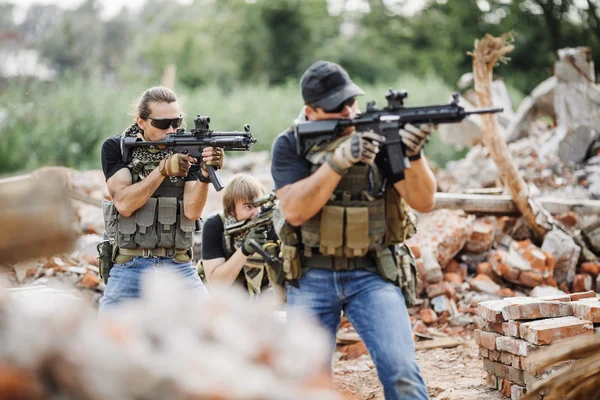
{"x": 327, "y": 85}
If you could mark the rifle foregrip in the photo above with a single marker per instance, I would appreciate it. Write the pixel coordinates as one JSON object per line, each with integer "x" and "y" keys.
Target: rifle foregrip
{"x": 215, "y": 178}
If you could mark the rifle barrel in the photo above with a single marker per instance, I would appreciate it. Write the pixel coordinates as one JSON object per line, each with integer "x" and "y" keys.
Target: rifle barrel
{"x": 484, "y": 111}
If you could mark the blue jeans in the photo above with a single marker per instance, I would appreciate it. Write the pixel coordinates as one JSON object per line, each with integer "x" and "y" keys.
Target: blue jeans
{"x": 124, "y": 279}
{"x": 377, "y": 310}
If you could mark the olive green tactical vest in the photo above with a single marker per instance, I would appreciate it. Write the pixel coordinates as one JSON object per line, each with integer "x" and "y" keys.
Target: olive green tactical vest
{"x": 361, "y": 216}
{"x": 160, "y": 223}
{"x": 253, "y": 275}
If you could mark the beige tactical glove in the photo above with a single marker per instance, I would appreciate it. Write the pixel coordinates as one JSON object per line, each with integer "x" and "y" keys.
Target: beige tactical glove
{"x": 414, "y": 138}
{"x": 361, "y": 147}
{"x": 213, "y": 157}
{"x": 176, "y": 164}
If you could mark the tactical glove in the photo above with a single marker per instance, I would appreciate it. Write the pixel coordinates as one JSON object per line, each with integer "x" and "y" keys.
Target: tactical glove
{"x": 414, "y": 138}
{"x": 360, "y": 147}
{"x": 260, "y": 235}
{"x": 176, "y": 164}
{"x": 215, "y": 158}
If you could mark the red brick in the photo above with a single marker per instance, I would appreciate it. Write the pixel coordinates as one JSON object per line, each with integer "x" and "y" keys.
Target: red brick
{"x": 516, "y": 361}
{"x": 485, "y": 339}
{"x": 438, "y": 289}
{"x": 481, "y": 238}
{"x": 590, "y": 294}
{"x": 530, "y": 308}
{"x": 505, "y": 387}
{"x": 530, "y": 278}
{"x": 547, "y": 331}
{"x": 491, "y": 381}
{"x": 428, "y": 316}
{"x": 484, "y": 353}
{"x": 505, "y": 292}
{"x": 590, "y": 268}
{"x": 453, "y": 266}
{"x": 415, "y": 250}
{"x": 491, "y": 310}
{"x": 506, "y": 358}
{"x": 511, "y": 328}
{"x": 512, "y": 274}
{"x": 569, "y": 219}
{"x": 504, "y": 371}
{"x": 516, "y": 346}
{"x": 453, "y": 278}
{"x": 550, "y": 281}
{"x": 587, "y": 309}
{"x": 582, "y": 282}
{"x": 536, "y": 258}
{"x": 494, "y": 355}
{"x": 489, "y": 326}
{"x": 484, "y": 268}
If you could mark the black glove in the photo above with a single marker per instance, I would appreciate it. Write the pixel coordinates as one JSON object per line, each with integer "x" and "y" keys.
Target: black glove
{"x": 259, "y": 235}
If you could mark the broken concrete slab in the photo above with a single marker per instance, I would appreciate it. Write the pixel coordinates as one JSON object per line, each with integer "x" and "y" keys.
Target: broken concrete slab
{"x": 566, "y": 255}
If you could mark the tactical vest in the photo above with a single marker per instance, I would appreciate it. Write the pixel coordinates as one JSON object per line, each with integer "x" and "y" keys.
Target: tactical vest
{"x": 254, "y": 273}
{"x": 362, "y": 214}
{"x": 160, "y": 223}
{"x": 357, "y": 228}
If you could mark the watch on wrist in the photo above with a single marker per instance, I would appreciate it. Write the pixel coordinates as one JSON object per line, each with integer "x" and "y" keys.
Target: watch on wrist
{"x": 416, "y": 156}
{"x": 203, "y": 179}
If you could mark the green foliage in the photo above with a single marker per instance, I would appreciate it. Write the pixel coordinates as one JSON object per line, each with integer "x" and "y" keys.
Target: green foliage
{"x": 65, "y": 123}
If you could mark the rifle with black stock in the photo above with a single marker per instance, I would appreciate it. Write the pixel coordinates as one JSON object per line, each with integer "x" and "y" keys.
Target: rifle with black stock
{"x": 386, "y": 122}
{"x": 195, "y": 141}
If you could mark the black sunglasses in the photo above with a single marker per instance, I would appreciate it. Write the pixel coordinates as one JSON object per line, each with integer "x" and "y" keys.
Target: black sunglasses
{"x": 350, "y": 102}
{"x": 164, "y": 123}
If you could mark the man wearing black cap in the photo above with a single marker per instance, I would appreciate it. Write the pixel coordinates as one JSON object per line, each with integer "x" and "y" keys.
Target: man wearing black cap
{"x": 338, "y": 234}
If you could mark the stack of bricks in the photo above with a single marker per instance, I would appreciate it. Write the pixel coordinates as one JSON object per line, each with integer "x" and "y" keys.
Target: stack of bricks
{"x": 510, "y": 330}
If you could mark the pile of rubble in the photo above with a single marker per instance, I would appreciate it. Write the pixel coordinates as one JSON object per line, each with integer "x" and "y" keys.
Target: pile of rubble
{"x": 168, "y": 344}
{"x": 512, "y": 329}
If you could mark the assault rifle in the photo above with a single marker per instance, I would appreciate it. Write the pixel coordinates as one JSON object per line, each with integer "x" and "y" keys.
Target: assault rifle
{"x": 195, "y": 141}
{"x": 386, "y": 122}
{"x": 264, "y": 218}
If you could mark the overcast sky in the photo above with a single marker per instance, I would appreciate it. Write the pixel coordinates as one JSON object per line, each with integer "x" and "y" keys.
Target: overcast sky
{"x": 112, "y": 7}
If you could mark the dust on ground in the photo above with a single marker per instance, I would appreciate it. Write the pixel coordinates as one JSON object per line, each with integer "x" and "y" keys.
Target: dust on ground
{"x": 450, "y": 374}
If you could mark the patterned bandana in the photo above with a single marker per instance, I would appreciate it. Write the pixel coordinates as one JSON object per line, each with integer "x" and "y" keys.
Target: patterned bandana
{"x": 143, "y": 154}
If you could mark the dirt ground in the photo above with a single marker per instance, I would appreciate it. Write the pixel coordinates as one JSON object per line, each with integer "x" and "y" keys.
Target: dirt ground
{"x": 450, "y": 374}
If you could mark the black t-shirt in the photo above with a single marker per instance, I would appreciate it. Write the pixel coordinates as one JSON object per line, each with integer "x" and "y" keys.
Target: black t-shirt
{"x": 112, "y": 160}
{"x": 287, "y": 166}
{"x": 213, "y": 239}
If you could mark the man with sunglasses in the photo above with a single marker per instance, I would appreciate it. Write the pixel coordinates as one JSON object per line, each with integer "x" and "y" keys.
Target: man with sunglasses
{"x": 345, "y": 223}
{"x": 157, "y": 197}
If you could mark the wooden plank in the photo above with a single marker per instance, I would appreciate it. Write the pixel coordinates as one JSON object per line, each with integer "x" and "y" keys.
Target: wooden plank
{"x": 503, "y": 204}
{"x": 440, "y": 342}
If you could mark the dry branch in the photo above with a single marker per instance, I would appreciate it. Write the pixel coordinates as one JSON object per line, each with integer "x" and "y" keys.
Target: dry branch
{"x": 488, "y": 51}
